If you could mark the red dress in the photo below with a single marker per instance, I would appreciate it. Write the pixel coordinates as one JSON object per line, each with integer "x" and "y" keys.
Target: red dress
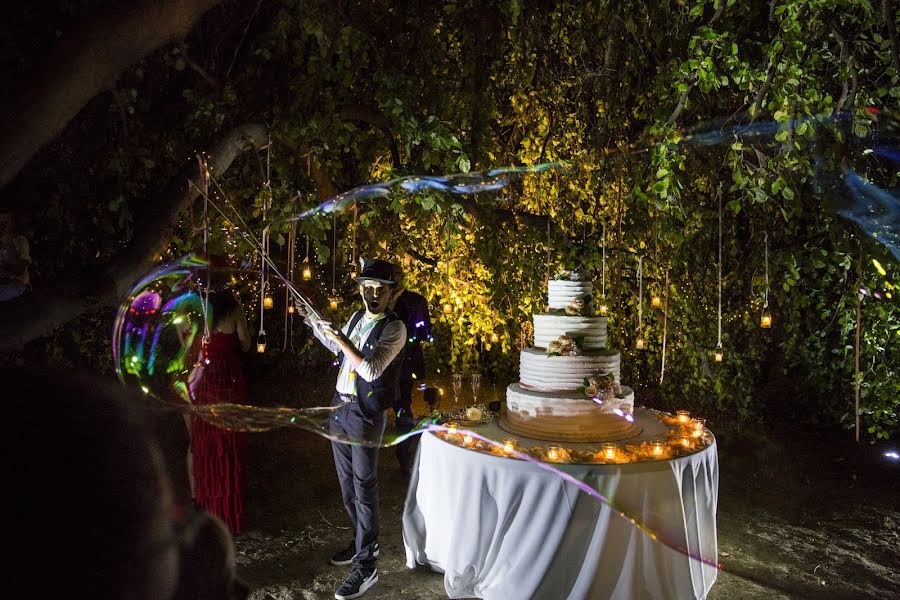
{"x": 218, "y": 465}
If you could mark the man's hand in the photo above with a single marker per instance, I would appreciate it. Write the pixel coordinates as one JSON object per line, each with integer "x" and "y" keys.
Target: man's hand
{"x": 301, "y": 309}
{"x": 335, "y": 335}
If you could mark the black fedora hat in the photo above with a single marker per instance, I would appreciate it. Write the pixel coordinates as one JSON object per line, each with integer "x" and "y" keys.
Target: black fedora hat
{"x": 374, "y": 269}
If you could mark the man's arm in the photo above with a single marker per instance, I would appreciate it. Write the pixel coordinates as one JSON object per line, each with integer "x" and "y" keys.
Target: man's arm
{"x": 320, "y": 330}
{"x": 392, "y": 340}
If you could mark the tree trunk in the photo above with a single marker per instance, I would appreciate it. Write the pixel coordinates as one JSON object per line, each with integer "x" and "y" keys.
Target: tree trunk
{"x": 86, "y": 61}
{"x": 54, "y": 304}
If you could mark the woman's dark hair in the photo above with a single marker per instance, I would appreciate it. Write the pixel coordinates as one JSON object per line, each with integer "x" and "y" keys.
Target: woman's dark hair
{"x": 83, "y": 486}
{"x": 222, "y": 304}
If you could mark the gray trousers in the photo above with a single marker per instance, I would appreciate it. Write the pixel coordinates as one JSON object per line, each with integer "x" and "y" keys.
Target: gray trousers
{"x": 357, "y": 471}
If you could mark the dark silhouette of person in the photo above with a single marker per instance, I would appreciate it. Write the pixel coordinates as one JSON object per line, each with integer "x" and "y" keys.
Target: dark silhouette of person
{"x": 412, "y": 309}
{"x": 88, "y": 512}
{"x": 370, "y": 348}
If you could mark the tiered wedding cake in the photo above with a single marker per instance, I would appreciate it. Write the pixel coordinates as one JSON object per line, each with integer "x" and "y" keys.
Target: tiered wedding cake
{"x": 569, "y": 382}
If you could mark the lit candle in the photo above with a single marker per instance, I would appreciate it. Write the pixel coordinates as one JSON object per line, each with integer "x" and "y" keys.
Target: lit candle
{"x": 683, "y": 416}
{"x": 447, "y": 308}
{"x": 639, "y": 344}
{"x": 765, "y": 321}
{"x": 452, "y": 428}
{"x": 719, "y": 355}
{"x": 603, "y": 309}
{"x": 686, "y": 442}
{"x": 655, "y": 301}
{"x": 307, "y": 273}
{"x": 554, "y": 453}
{"x": 509, "y": 445}
{"x": 261, "y": 343}
{"x": 495, "y": 338}
{"x": 268, "y": 302}
{"x": 468, "y": 440}
{"x": 333, "y": 304}
{"x": 698, "y": 428}
{"x": 291, "y": 308}
{"x": 657, "y": 448}
{"x": 609, "y": 451}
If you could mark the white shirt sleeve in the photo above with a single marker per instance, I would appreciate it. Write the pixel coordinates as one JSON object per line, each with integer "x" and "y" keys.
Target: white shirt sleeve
{"x": 392, "y": 340}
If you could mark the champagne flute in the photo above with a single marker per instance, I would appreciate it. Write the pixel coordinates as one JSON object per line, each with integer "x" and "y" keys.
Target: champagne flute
{"x": 457, "y": 386}
{"x": 476, "y": 385}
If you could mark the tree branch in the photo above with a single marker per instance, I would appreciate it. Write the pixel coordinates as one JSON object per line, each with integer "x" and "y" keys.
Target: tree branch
{"x": 761, "y": 94}
{"x": 54, "y": 304}
{"x": 890, "y": 13}
{"x": 325, "y": 187}
{"x": 681, "y": 101}
{"x": 85, "y": 62}
{"x": 375, "y": 118}
{"x": 215, "y": 83}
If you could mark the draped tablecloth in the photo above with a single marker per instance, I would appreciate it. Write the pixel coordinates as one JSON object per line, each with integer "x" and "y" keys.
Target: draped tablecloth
{"x": 506, "y": 529}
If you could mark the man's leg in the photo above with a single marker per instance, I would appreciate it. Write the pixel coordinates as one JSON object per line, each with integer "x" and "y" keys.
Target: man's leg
{"x": 365, "y": 483}
{"x": 405, "y": 423}
{"x": 343, "y": 461}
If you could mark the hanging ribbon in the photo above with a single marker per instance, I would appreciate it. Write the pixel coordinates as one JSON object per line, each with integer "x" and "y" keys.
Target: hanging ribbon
{"x": 858, "y": 323}
{"x": 204, "y": 186}
{"x": 334, "y": 255}
{"x": 640, "y": 278}
{"x": 766, "y": 304}
{"x": 719, "y": 338}
{"x": 603, "y": 268}
{"x": 662, "y": 368}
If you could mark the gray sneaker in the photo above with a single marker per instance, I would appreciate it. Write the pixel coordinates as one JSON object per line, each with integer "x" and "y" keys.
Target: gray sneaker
{"x": 356, "y": 584}
{"x": 346, "y": 556}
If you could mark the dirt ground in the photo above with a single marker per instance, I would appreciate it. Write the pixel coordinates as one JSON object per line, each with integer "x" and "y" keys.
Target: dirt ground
{"x": 802, "y": 514}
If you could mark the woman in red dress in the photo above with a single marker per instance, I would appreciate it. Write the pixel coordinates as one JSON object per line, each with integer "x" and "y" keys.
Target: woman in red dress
{"x": 217, "y": 453}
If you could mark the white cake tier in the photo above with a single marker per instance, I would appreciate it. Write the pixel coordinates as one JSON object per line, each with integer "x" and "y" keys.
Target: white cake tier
{"x": 549, "y": 327}
{"x": 555, "y": 373}
{"x": 560, "y": 292}
{"x": 568, "y": 416}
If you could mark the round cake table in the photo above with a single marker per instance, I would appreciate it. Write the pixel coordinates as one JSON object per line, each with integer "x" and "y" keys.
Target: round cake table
{"x": 505, "y": 529}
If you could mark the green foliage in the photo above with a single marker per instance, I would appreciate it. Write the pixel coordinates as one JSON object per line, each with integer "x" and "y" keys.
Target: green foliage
{"x": 464, "y": 86}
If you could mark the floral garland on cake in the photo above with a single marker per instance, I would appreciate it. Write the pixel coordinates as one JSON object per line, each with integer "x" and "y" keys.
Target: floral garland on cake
{"x": 563, "y": 346}
{"x": 564, "y": 275}
{"x": 602, "y": 387}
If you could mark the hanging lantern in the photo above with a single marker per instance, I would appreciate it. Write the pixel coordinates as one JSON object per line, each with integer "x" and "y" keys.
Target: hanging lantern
{"x": 719, "y": 354}
{"x": 765, "y": 320}
{"x": 495, "y": 338}
{"x": 261, "y": 342}
{"x": 603, "y": 309}
{"x": 639, "y": 343}
{"x": 307, "y": 273}
{"x": 333, "y": 303}
{"x": 656, "y": 301}
{"x": 447, "y": 308}
{"x": 291, "y": 308}
{"x": 268, "y": 302}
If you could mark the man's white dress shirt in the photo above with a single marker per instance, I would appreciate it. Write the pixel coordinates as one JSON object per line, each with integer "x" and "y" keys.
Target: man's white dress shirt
{"x": 391, "y": 342}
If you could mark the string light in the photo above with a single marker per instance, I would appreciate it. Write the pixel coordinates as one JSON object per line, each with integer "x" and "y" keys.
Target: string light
{"x": 494, "y": 337}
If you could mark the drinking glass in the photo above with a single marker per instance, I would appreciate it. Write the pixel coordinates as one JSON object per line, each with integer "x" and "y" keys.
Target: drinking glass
{"x": 457, "y": 386}
{"x": 476, "y": 385}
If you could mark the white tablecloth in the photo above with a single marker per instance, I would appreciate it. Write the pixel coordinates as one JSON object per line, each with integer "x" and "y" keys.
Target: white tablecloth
{"x": 504, "y": 529}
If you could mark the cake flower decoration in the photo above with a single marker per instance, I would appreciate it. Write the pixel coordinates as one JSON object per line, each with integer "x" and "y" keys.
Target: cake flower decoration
{"x": 563, "y": 346}
{"x": 602, "y": 387}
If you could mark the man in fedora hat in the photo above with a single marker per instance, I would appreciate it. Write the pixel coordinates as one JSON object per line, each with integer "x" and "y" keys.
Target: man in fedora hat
{"x": 369, "y": 349}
